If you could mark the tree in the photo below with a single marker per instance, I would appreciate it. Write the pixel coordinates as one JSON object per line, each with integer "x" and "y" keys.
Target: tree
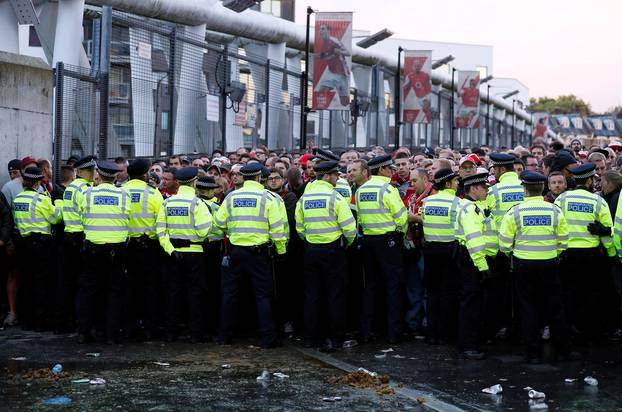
{"x": 561, "y": 105}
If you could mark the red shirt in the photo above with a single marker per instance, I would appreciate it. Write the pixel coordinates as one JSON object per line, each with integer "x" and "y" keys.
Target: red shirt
{"x": 336, "y": 62}
{"x": 420, "y": 82}
{"x": 470, "y": 97}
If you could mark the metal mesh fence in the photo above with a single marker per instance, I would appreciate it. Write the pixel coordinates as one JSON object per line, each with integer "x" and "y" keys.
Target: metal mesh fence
{"x": 173, "y": 89}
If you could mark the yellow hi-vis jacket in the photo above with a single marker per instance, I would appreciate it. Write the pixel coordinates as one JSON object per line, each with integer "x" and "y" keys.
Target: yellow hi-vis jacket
{"x": 70, "y": 209}
{"x": 34, "y": 212}
{"x": 469, "y": 232}
{"x": 105, "y": 212}
{"x": 185, "y": 217}
{"x": 534, "y": 230}
{"x": 580, "y": 208}
{"x": 252, "y": 217}
{"x": 506, "y": 193}
{"x": 323, "y": 215}
{"x": 145, "y": 206}
{"x": 379, "y": 207}
{"x": 215, "y": 234}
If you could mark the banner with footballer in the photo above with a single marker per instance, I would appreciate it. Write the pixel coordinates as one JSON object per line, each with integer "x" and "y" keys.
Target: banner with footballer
{"x": 467, "y": 104}
{"x": 541, "y": 124}
{"x": 332, "y": 61}
{"x": 417, "y": 87}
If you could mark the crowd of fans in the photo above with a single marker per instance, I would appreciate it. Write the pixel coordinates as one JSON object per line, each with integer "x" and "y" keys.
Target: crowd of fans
{"x": 286, "y": 175}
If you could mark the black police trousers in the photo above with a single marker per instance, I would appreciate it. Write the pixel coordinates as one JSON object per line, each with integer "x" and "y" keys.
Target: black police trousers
{"x": 384, "y": 268}
{"x": 442, "y": 282}
{"x": 471, "y": 303}
{"x": 539, "y": 294}
{"x": 213, "y": 274}
{"x": 143, "y": 284}
{"x": 102, "y": 288}
{"x": 587, "y": 302}
{"x": 254, "y": 262}
{"x": 325, "y": 274}
{"x": 185, "y": 280}
{"x": 72, "y": 262}
{"x": 498, "y": 296}
{"x": 35, "y": 303}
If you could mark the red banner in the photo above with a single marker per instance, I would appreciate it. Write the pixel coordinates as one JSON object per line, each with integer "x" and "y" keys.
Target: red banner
{"x": 467, "y": 105}
{"x": 541, "y": 124}
{"x": 332, "y": 61}
{"x": 417, "y": 87}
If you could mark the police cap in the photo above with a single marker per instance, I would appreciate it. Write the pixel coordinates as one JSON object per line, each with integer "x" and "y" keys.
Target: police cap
{"x": 529, "y": 178}
{"x": 207, "y": 182}
{"x": 325, "y": 155}
{"x": 326, "y": 167}
{"x": 32, "y": 173}
{"x": 251, "y": 169}
{"x": 476, "y": 179}
{"x": 186, "y": 175}
{"x": 584, "y": 171}
{"x": 380, "y": 161}
{"x": 501, "y": 159}
{"x": 87, "y": 162}
{"x": 265, "y": 172}
{"x": 107, "y": 168}
{"x": 444, "y": 175}
{"x": 138, "y": 167}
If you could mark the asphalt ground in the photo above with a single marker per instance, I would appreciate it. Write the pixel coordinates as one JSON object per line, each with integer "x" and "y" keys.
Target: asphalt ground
{"x": 192, "y": 377}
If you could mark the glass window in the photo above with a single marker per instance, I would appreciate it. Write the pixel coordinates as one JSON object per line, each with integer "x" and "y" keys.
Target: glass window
{"x": 164, "y": 121}
{"x": 33, "y": 38}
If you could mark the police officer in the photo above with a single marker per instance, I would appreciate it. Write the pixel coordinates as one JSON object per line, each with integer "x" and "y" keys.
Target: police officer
{"x": 383, "y": 218}
{"x": 472, "y": 264}
{"x": 342, "y": 186}
{"x": 144, "y": 266}
{"x": 73, "y": 244}
{"x": 34, "y": 216}
{"x": 439, "y": 213}
{"x": 589, "y": 245}
{"x": 506, "y": 193}
{"x": 183, "y": 224}
{"x": 325, "y": 221}
{"x": 213, "y": 252}
{"x": 536, "y": 233}
{"x": 105, "y": 213}
{"x": 253, "y": 222}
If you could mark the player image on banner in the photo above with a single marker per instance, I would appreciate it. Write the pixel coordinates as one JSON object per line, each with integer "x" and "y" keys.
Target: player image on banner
{"x": 541, "y": 124}
{"x": 467, "y": 105}
{"x": 332, "y": 61}
{"x": 417, "y": 87}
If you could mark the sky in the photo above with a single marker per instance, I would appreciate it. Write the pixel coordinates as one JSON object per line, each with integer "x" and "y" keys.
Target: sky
{"x": 554, "y": 47}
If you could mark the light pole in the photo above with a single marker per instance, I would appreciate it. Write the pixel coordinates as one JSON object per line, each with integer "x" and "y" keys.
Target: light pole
{"x": 451, "y": 129}
{"x": 304, "y": 110}
{"x": 398, "y": 96}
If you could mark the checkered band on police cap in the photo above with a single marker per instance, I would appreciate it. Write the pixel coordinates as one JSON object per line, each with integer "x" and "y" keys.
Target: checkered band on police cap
{"x": 444, "y": 175}
{"x": 32, "y": 173}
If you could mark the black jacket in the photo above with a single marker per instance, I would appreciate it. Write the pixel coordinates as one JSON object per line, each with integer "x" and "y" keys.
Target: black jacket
{"x": 6, "y": 220}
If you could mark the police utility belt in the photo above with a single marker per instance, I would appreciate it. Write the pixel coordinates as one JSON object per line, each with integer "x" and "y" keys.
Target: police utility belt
{"x": 179, "y": 243}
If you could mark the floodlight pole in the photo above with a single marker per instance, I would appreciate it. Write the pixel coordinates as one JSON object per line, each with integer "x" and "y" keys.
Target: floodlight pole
{"x": 488, "y": 115}
{"x": 452, "y": 103}
{"x": 304, "y": 110}
{"x": 398, "y": 96}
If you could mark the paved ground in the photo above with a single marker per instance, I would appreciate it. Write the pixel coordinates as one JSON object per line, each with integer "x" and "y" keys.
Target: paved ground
{"x": 423, "y": 377}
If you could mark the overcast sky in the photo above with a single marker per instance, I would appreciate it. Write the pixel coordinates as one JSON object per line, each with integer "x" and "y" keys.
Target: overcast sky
{"x": 553, "y": 46}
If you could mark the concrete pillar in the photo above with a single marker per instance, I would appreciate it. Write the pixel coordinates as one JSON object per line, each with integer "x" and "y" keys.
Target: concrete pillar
{"x": 9, "y": 36}
{"x": 234, "y": 136}
{"x": 278, "y": 117}
{"x": 143, "y": 111}
{"x": 68, "y": 39}
{"x": 362, "y": 76}
{"x": 191, "y": 129}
